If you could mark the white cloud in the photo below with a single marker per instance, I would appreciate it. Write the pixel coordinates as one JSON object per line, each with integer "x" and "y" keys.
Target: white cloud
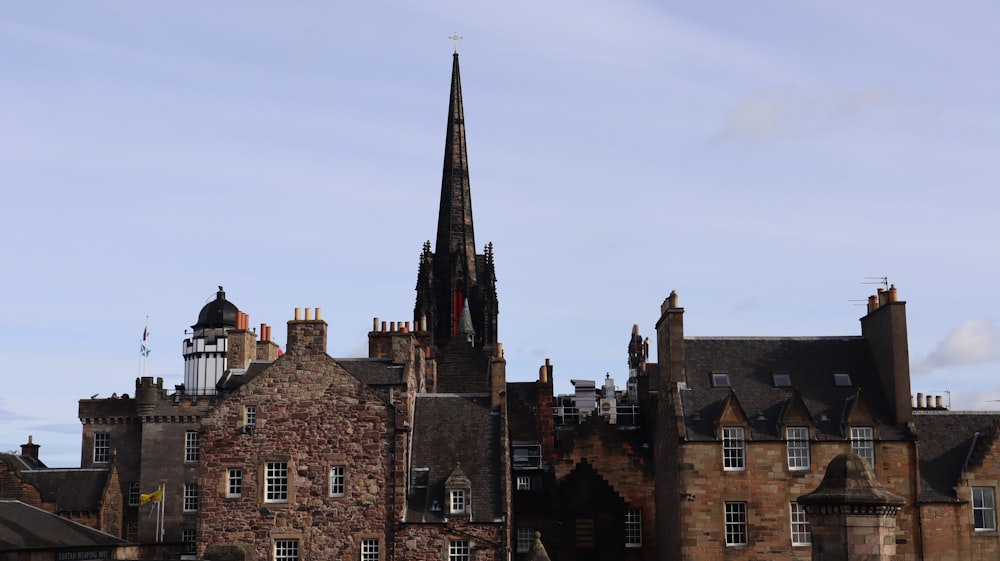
{"x": 975, "y": 341}
{"x": 791, "y": 110}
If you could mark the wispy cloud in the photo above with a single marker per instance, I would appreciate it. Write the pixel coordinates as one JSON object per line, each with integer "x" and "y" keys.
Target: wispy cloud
{"x": 791, "y": 110}
{"x": 975, "y": 341}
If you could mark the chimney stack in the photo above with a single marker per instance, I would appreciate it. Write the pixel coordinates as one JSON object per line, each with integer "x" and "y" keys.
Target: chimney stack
{"x": 884, "y": 329}
{"x": 307, "y": 336}
{"x": 30, "y": 449}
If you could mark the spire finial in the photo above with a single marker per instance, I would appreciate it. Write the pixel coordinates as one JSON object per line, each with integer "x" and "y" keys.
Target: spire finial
{"x": 455, "y": 38}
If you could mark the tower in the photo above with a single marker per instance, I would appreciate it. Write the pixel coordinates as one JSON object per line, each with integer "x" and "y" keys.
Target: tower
{"x": 205, "y": 352}
{"x": 456, "y": 288}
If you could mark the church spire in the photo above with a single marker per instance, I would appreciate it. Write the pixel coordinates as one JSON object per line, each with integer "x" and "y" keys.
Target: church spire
{"x": 455, "y": 237}
{"x": 454, "y": 276}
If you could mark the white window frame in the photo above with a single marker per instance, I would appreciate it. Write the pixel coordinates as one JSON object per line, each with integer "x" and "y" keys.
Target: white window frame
{"x": 733, "y": 449}
{"x": 736, "y": 524}
{"x": 801, "y": 534}
{"x": 286, "y": 550}
{"x": 250, "y": 416}
{"x": 984, "y": 509}
{"x": 338, "y": 481}
{"x": 234, "y": 483}
{"x": 633, "y": 527}
{"x": 457, "y": 501}
{"x": 190, "y": 538}
{"x": 192, "y": 446}
{"x": 371, "y": 549}
{"x": 190, "y": 497}
{"x": 133, "y": 493}
{"x": 863, "y": 443}
{"x": 102, "y": 447}
{"x": 523, "y": 483}
{"x": 276, "y": 482}
{"x": 458, "y": 550}
{"x": 525, "y": 537}
{"x": 798, "y": 448}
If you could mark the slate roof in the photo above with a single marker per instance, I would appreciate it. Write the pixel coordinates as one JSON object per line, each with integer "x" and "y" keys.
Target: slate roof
{"x": 810, "y": 363}
{"x": 946, "y": 441}
{"x": 72, "y": 489}
{"x": 374, "y": 371}
{"x": 20, "y": 462}
{"x": 463, "y": 368}
{"x": 448, "y": 431}
{"x": 26, "y": 527}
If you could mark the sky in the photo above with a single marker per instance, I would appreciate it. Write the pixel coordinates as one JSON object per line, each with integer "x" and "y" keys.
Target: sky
{"x": 770, "y": 161}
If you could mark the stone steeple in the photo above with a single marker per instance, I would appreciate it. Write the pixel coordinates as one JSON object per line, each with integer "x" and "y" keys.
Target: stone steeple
{"x": 454, "y": 276}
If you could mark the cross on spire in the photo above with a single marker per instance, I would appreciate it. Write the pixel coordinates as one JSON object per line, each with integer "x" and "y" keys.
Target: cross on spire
{"x": 455, "y": 38}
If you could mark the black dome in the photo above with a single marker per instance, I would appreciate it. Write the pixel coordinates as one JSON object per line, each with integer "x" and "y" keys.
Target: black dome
{"x": 217, "y": 313}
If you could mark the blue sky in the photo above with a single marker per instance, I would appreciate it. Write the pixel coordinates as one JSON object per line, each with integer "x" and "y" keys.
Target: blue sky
{"x": 764, "y": 159}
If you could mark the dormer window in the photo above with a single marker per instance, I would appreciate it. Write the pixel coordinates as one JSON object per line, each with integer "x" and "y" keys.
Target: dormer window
{"x": 842, "y": 380}
{"x": 720, "y": 380}
{"x": 458, "y": 491}
{"x": 457, "y": 501}
{"x": 781, "y": 380}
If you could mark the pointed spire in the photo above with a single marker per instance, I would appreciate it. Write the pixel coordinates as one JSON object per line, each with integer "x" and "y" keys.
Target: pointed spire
{"x": 456, "y": 245}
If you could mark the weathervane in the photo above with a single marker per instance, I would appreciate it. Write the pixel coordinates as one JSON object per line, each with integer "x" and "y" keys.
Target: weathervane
{"x": 455, "y": 38}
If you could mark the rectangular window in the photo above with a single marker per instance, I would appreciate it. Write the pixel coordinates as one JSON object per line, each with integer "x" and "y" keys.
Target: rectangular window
{"x": 192, "y": 446}
{"x": 276, "y": 484}
{"x": 133, "y": 493}
{"x": 286, "y": 550}
{"x": 457, "y": 501}
{"x": 525, "y": 537}
{"x": 800, "y": 525}
{"x": 250, "y": 416}
{"x": 458, "y": 550}
{"x": 132, "y": 531}
{"x": 736, "y": 523}
{"x": 190, "y": 497}
{"x": 732, "y": 449}
{"x": 337, "y": 481}
{"x": 189, "y": 537}
{"x": 234, "y": 485}
{"x": 102, "y": 447}
{"x": 798, "y": 447}
{"x": 585, "y": 533}
{"x": 523, "y": 483}
{"x": 984, "y": 510}
{"x": 863, "y": 443}
{"x": 370, "y": 550}
{"x": 633, "y": 527}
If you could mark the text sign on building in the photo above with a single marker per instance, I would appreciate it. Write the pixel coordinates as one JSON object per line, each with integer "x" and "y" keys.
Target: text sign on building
{"x": 83, "y": 555}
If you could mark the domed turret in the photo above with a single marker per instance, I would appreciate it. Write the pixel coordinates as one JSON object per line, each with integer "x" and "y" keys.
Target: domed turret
{"x": 205, "y": 352}
{"x": 217, "y": 313}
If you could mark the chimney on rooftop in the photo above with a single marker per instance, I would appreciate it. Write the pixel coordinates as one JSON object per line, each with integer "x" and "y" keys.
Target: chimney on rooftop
{"x": 30, "y": 449}
{"x": 884, "y": 329}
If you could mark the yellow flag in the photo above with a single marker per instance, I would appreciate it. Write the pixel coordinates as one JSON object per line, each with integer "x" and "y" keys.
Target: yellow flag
{"x": 154, "y": 497}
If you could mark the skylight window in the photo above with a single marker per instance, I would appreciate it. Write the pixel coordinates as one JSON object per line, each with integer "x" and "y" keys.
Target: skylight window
{"x": 720, "y": 380}
{"x": 842, "y": 379}
{"x": 782, "y": 380}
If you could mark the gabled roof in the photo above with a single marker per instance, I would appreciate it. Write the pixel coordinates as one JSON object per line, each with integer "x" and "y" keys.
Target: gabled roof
{"x": 24, "y": 527}
{"x": 810, "y": 362}
{"x": 71, "y": 489}
{"x": 451, "y": 431}
{"x": 946, "y": 441}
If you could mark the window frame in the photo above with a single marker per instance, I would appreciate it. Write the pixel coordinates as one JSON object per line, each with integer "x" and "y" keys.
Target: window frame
{"x": 192, "y": 446}
{"x": 458, "y": 550}
{"x": 189, "y": 537}
{"x": 797, "y": 445}
{"x": 981, "y": 510}
{"x": 133, "y": 493}
{"x": 522, "y": 483}
{"x": 338, "y": 481}
{"x": 277, "y": 480}
{"x": 864, "y": 446}
{"x": 234, "y": 483}
{"x": 102, "y": 447}
{"x": 456, "y": 501}
{"x": 633, "y": 527}
{"x": 286, "y": 549}
{"x": 250, "y": 416}
{"x": 523, "y": 539}
{"x": 190, "y": 502}
{"x": 371, "y": 549}
{"x": 736, "y": 524}
{"x": 733, "y": 449}
{"x": 800, "y": 531}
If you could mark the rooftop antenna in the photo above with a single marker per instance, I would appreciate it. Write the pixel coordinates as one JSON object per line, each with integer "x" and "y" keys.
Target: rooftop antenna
{"x": 884, "y": 281}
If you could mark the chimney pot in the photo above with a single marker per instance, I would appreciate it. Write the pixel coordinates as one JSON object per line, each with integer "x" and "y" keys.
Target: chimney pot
{"x": 309, "y": 314}
{"x": 383, "y": 326}
{"x": 375, "y": 324}
{"x": 392, "y": 326}
{"x": 892, "y": 293}
{"x": 298, "y": 314}
{"x": 937, "y": 403}
{"x": 920, "y": 400}
{"x": 319, "y": 314}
